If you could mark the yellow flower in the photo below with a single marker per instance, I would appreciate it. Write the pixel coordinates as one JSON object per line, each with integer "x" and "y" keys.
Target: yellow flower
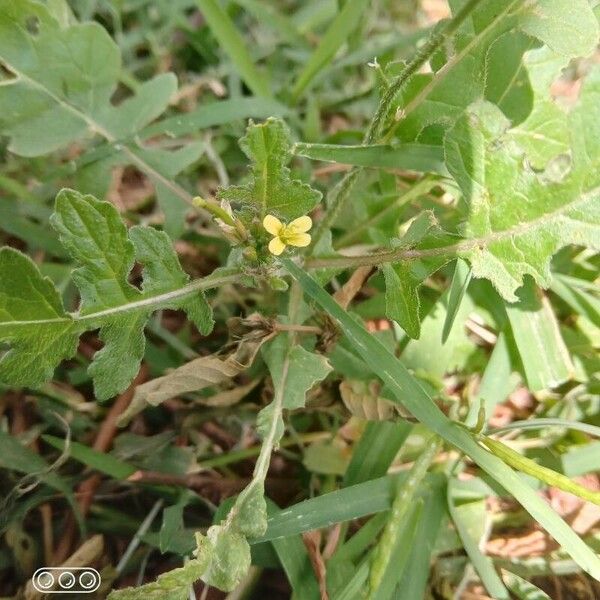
{"x": 293, "y": 234}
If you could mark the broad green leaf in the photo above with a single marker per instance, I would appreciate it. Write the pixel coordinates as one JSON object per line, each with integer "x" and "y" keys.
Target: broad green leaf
{"x": 408, "y": 392}
{"x": 304, "y": 370}
{"x": 97, "y": 239}
{"x": 544, "y": 133}
{"x": 497, "y": 382}
{"x": 487, "y": 58}
{"x": 271, "y": 190}
{"x": 568, "y": 27}
{"x": 40, "y": 333}
{"x": 64, "y": 77}
{"x": 517, "y": 221}
{"x": 172, "y": 524}
{"x": 230, "y": 558}
{"x": 544, "y": 355}
{"x": 33, "y": 322}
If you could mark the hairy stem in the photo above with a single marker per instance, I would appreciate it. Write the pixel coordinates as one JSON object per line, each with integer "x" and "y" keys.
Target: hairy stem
{"x": 373, "y": 133}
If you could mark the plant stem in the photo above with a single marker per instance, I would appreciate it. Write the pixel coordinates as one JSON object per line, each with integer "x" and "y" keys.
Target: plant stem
{"x": 342, "y": 191}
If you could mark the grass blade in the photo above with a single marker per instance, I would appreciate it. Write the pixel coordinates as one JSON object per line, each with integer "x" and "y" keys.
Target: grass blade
{"x": 342, "y": 505}
{"x": 483, "y": 564}
{"x": 458, "y": 288}
{"x": 233, "y": 44}
{"x": 337, "y": 33}
{"x": 408, "y": 392}
{"x": 375, "y": 451}
{"x": 413, "y": 157}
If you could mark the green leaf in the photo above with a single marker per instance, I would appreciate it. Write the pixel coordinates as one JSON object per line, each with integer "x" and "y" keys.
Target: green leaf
{"x": 521, "y": 588}
{"x": 338, "y": 31}
{"x": 352, "y": 502}
{"x": 568, "y": 27}
{"x": 174, "y": 584}
{"x": 18, "y": 457}
{"x": 40, "y": 333}
{"x": 512, "y": 240}
{"x": 172, "y": 524}
{"x": 544, "y": 354}
{"x": 304, "y": 370}
{"x": 458, "y": 288}
{"x": 271, "y": 190}
{"x": 403, "y": 279}
{"x": 470, "y": 521}
{"x": 407, "y": 391}
{"x": 410, "y": 156}
{"x": 375, "y": 451}
{"x": 486, "y": 58}
{"x": 233, "y": 44}
{"x": 100, "y": 461}
{"x": 64, "y": 78}
{"x": 230, "y": 558}
{"x": 33, "y": 322}
{"x": 97, "y": 239}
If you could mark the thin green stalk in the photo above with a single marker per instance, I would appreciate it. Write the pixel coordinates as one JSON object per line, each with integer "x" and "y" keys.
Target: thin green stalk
{"x": 402, "y": 504}
{"x": 342, "y": 191}
{"x": 421, "y": 187}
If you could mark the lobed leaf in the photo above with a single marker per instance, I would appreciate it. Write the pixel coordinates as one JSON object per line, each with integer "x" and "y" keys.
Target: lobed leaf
{"x": 45, "y": 109}
{"x": 517, "y": 219}
{"x": 33, "y": 322}
{"x": 39, "y": 331}
{"x": 271, "y": 190}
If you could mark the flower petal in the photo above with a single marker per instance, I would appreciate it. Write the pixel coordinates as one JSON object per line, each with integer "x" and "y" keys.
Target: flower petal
{"x": 273, "y": 225}
{"x": 299, "y": 239}
{"x": 276, "y": 246}
{"x": 301, "y": 224}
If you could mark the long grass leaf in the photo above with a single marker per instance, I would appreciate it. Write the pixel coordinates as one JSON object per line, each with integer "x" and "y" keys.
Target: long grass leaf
{"x": 337, "y": 33}
{"x": 233, "y": 44}
{"x": 408, "y": 392}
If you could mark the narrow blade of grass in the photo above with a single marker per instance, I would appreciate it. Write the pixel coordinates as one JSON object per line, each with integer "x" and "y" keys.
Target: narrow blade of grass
{"x": 375, "y": 450}
{"x": 458, "y": 288}
{"x": 483, "y": 564}
{"x": 412, "y": 157}
{"x": 342, "y": 505}
{"x": 408, "y": 392}
{"x": 337, "y": 33}
{"x": 99, "y": 461}
{"x": 233, "y": 44}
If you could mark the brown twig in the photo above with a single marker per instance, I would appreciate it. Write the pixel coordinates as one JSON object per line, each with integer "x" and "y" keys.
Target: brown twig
{"x": 348, "y": 291}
